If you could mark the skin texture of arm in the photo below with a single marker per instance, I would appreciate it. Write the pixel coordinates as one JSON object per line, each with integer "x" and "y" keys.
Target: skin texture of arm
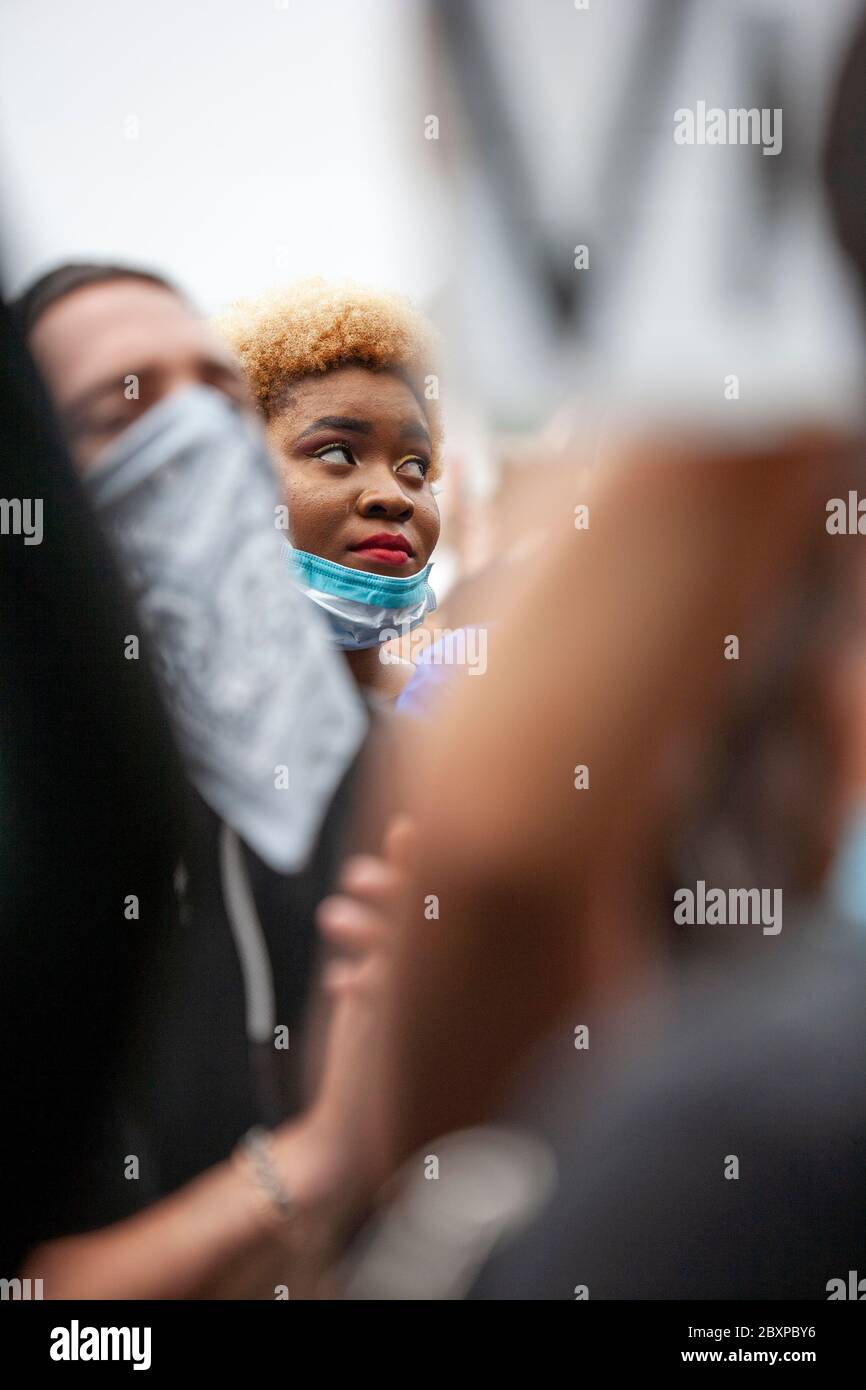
{"x": 212, "y": 1239}
{"x": 612, "y": 658}
{"x": 219, "y": 1236}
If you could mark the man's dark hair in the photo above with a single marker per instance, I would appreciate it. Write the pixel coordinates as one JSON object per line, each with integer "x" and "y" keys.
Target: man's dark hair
{"x": 65, "y": 279}
{"x": 844, "y": 167}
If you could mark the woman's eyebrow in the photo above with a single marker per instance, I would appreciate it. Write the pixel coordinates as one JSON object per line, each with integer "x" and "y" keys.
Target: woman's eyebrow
{"x": 338, "y": 422}
{"x": 414, "y": 429}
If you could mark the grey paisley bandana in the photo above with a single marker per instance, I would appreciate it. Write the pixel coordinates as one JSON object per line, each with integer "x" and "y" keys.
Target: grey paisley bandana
{"x": 264, "y": 712}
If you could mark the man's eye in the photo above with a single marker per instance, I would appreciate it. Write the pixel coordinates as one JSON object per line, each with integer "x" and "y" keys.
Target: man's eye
{"x": 113, "y": 423}
{"x": 336, "y": 453}
{"x": 415, "y": 467}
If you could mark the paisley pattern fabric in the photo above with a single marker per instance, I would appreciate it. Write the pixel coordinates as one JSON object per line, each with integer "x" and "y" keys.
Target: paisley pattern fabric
{"x": 265, "y": 715}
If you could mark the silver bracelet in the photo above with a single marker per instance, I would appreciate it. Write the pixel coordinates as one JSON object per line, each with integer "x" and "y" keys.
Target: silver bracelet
{"x": 256, "y": 1148}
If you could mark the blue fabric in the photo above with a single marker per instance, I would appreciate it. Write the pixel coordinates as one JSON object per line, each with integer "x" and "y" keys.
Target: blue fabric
{"x": 377, "y": 590}
{"x": 434, "y": 672}
{"x": 848, "y": 877}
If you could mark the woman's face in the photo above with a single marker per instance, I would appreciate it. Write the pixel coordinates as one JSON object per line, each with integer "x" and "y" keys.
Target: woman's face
{"x": 353, "y": 452}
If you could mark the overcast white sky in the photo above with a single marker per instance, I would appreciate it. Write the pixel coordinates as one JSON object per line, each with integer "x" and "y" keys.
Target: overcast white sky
{"x": 275, "y": 138}
{"x": 278, "y": 138}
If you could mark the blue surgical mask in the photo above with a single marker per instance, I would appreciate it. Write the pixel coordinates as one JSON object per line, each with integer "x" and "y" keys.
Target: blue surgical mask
{"x": 362, "y": 609}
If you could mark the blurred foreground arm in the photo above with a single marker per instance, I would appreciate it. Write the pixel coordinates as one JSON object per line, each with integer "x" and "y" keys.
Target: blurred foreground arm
{"x": 612, "y": 657}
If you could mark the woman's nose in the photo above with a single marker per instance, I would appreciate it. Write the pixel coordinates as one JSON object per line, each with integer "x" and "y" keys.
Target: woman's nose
{"x": 386, "y": 499}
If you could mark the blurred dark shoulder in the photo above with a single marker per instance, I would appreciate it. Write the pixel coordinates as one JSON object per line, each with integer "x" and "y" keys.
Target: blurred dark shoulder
{"x": 713, "y": 1149}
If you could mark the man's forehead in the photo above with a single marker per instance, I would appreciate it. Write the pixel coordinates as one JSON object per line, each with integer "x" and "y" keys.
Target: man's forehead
{"x": 114, "y": 326}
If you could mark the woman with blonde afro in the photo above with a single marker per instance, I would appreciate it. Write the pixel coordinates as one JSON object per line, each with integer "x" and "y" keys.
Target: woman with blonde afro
{"x": 346, "y": 381}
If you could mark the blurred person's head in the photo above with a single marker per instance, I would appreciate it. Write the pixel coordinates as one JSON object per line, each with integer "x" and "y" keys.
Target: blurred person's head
{"x": 142, "y": 385}
{"x": 782, "y": 769}
{"x": 845, "y": 188}
{"x": 844, "y": 170}
{"x": 111, "y": 341}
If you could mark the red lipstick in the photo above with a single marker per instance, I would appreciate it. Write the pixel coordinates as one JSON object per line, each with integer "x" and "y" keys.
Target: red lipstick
{"x": 385, "y": 549}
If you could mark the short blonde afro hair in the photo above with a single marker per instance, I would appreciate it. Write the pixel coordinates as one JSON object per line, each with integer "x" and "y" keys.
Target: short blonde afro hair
{"x": 316, "y": 326}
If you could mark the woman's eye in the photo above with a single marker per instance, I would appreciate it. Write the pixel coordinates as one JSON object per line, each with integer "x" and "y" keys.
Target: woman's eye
{"x": 416, "y": 468}
{"x": 336, "y": 453}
